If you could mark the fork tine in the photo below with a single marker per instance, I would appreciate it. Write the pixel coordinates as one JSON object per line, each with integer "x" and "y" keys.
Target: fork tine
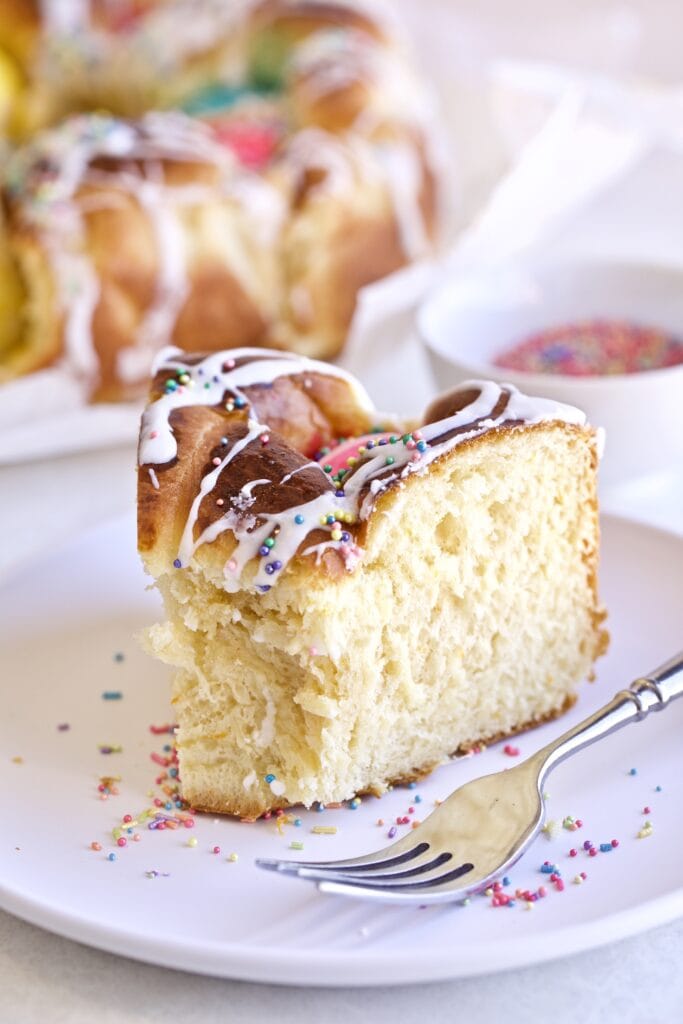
{"x": 438, "y": 883}
{"x": 398, "y": 880}
{"x": 422, "y": 868}
{"x": 370, "y": 862}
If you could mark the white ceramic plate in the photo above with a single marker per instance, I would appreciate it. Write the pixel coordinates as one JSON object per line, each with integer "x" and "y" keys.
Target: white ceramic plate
{"x": 63, "y": 622}
{"x": 43, "y": 414}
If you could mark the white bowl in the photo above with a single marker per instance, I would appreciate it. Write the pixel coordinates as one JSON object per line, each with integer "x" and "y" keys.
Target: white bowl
{"x": 467, "y": 321}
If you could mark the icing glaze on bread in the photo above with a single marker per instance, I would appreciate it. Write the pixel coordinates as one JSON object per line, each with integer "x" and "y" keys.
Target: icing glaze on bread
{"x": 307, "y": 170}
{"x": 275, "y": 508}
{"x": 349, "y": 602}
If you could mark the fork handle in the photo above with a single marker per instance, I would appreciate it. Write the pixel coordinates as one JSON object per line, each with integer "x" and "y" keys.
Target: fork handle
{"x": 652, "y": 692}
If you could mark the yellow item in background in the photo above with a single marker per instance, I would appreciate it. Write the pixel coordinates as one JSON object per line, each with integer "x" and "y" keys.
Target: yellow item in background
{"x": 10, "y": 85}
{"x": 11, "y": 291}
{"x": 12, "y": 297}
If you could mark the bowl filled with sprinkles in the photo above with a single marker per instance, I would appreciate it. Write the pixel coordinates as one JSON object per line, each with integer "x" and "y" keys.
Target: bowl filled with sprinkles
{"x": 593, "y": 348}
{"x": 602, "y": 335}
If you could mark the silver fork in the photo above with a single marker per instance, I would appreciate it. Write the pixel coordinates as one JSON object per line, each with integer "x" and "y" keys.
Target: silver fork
{"x": 486, "y": 825}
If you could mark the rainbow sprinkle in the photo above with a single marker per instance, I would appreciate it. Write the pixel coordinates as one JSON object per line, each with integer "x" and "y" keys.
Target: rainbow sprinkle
{"x": 593, "y": 348}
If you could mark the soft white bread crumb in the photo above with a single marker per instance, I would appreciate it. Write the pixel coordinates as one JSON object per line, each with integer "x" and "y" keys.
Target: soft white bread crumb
{"x": 472, "y": 614}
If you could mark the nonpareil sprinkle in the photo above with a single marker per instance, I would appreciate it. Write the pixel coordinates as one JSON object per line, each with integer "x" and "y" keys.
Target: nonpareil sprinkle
{"x": 595, "y": 347}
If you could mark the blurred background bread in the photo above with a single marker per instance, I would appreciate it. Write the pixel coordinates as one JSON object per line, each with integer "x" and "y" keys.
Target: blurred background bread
{"x": 303, "y": 168}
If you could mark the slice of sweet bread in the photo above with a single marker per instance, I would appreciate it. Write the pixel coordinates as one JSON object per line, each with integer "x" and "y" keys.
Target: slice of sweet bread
{"x": 341, "y": 621}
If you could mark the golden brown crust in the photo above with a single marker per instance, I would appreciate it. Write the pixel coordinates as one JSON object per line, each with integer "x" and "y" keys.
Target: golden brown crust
{"x": 19, "y": 28}
{"x": 355, "y": 258}
{"x": 304, "y": 413}
{"x": 296, "y": 21}
{"x": 334, "y": 111}
{"x": 591, "y": 558}
{"x": 217, "y": 311}
{"x": 39, "y": 340}
{"x": 120, "y": 244}
{"x": 297, "y": 291}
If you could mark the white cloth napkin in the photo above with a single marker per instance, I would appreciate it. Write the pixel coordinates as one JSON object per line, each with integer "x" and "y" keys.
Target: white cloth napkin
{"x": 602, "y": 176}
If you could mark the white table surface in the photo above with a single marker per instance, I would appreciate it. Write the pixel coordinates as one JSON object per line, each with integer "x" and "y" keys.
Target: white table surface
{"x": 47, "y": 979}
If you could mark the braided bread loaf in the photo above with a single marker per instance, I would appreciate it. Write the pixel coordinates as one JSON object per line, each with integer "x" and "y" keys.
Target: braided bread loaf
{"x": 252, "y": 220}
{"x": 344, "y": 621}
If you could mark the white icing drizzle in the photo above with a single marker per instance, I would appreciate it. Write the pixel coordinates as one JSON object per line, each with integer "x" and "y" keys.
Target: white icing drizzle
{"x": 245, "y": 499}
{"x": 250, "y": 536}
{"x": 79, "y": 290}
{"x": 156, "y": 327}
{"x": 300, "y": 469}
{"x": 520, "y": 407}
{"x": 160, "y": 39}
{"x": 301, "y": 303}
{"x": 46, "y": 176}
{"x": 188, "y": 545}
{"x": 157, "y": 443}
{"x": 354, "y": 499}
{"x": 350, "y": 553}
{"x": 330, "y": 60}
{"x": 404, "y": 177}
{"x": 266, "y": 207}
{"x": 162, "y": 202}
{"x": 315, "y": 148}
{"x": 351, "y": 163}
{"x": 63, "y": 17}
{"x": 349, "y": 160}
{"x": 245, "y": 492}
{"x": 154, "y": 478}
{"x": 190, "y": 26}
{"x": 157, "y": 440}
